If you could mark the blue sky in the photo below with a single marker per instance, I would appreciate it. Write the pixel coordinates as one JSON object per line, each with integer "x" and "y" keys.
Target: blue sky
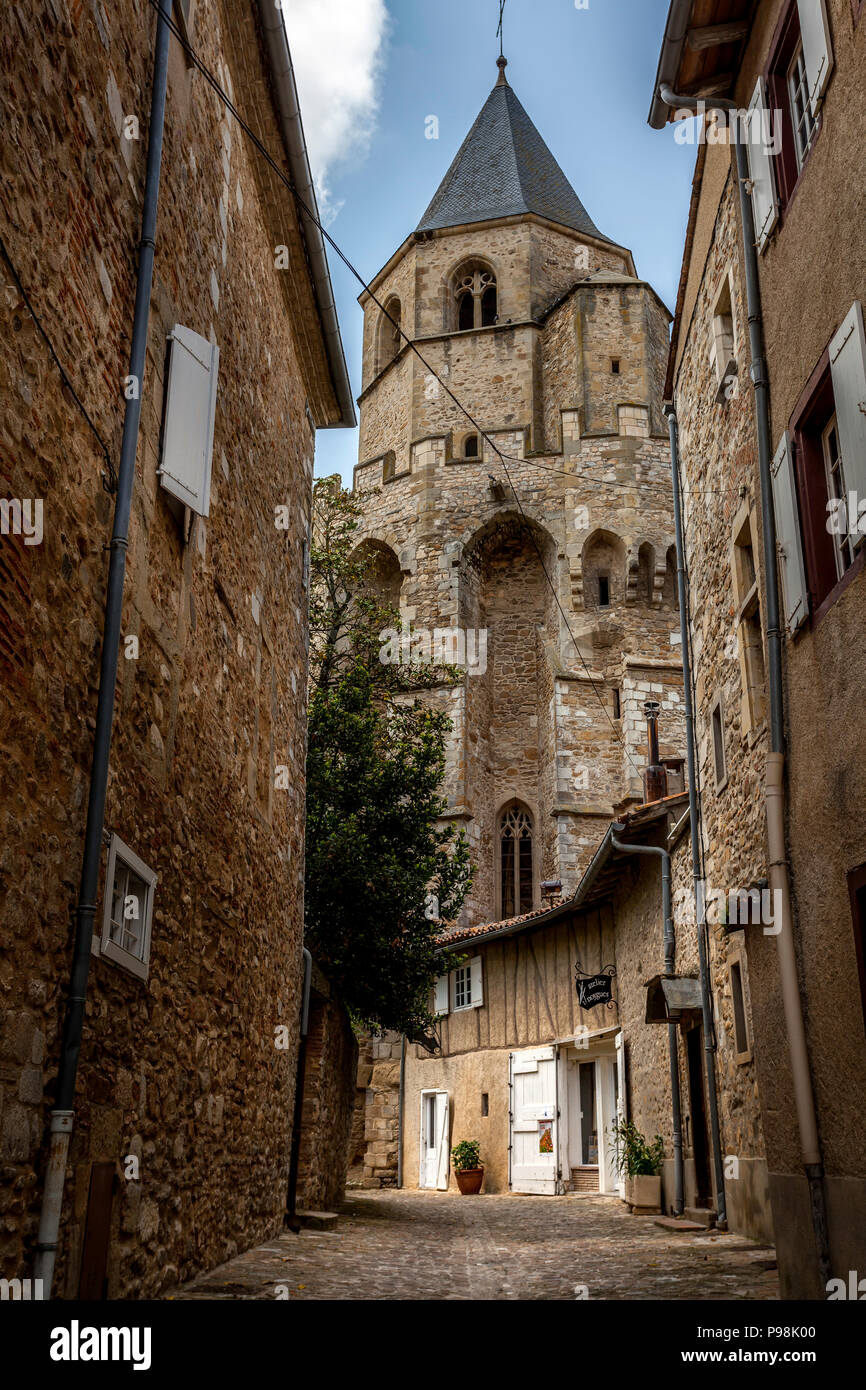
{"x": 371, "y": 71}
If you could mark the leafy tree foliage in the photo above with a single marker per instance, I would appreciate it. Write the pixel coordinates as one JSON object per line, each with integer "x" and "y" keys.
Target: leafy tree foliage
{"x": 376, "y": 849}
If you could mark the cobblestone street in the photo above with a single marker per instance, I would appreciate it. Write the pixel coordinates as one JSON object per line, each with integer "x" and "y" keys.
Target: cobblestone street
{"x": 417, "y": 1245}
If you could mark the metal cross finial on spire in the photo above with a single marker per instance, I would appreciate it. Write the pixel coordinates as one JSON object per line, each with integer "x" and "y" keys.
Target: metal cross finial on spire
{"x": 499, "y": 33}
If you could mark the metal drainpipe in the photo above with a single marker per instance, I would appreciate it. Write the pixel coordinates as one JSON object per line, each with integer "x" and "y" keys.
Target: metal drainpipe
{"x": 295, "y": 1151}
{"x": 669, "y": 958}
{"x": 774, "y": 792}
{"x": 62, "y": 1115}
{"x": 697, "y": 874}
{"x": 400, "y": 1110}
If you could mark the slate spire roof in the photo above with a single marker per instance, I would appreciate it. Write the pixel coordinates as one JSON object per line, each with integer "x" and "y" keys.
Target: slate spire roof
{"x": 503, "y": 169}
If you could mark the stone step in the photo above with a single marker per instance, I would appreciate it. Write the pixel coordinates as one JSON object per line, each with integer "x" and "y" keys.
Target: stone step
{"x": 703, "y": 1216}
{"x": 318, "y": 1220}
{"x": 678, "y": 1223}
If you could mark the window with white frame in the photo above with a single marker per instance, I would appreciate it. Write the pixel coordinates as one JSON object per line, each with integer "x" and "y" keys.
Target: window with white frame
{"x": 837, "y": 490}
{"x": 128, "y": 912}
{"x": 802, "y": 119}
{"x": 460, "y": 989}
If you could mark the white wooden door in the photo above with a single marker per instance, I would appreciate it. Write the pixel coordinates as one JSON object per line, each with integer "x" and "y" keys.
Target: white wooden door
{"x": 534, "y": 1120}
{"x": 433, "y": 1166}
{"x": 621, "y": 1109}
{"x": 606, "y": 1092}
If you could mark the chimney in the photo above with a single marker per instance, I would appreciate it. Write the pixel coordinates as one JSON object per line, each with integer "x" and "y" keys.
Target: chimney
{"x": 655, "y": 778}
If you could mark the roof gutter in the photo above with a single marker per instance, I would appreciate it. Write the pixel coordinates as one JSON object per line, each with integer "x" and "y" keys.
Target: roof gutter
{"x": 676, "y": 30}
{"x": 299, "y": 166}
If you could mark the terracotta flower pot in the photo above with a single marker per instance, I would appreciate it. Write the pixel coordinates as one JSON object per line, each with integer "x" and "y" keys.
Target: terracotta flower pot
{"x": 469, "y": 1180}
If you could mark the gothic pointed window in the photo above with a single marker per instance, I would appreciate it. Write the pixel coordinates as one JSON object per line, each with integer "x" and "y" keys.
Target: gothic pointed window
{"x": 515, "y": 861}
{"x": 389, "y": 333}
{"x": 475, "y": 296}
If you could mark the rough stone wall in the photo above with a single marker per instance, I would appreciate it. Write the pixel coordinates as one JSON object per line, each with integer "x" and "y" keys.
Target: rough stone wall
{"x": 180, "y": 1070}
{"x": 375, "y": 1123}
{"x": 440, "y": 519}
{"x": 823, "y": 666}
{"x": 330, "y": 1071}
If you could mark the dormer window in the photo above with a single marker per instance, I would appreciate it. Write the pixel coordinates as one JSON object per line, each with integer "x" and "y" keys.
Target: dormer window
{"x": 475, "y": 296}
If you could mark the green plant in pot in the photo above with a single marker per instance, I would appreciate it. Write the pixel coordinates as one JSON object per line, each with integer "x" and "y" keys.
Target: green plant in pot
{"x": 466, "y": 1157}
{"x": 640, "y": 1162}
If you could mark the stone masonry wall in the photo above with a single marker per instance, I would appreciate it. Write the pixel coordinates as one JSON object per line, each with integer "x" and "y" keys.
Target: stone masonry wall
{"x": 181, "y": 1070}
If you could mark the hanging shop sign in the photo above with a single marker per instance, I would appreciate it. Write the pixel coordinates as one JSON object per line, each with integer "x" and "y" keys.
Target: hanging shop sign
{"x": 593, "y": 990}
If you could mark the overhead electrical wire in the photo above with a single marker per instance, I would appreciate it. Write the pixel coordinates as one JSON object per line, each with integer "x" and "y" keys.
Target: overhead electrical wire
{"x": 109, "y": 482}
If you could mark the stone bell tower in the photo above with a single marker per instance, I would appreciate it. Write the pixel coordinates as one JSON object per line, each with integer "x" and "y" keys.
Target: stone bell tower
{"x": 563, "y": 555}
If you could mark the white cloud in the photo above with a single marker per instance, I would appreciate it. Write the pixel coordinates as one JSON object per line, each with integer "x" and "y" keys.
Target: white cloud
{"x": 338, "y": 55}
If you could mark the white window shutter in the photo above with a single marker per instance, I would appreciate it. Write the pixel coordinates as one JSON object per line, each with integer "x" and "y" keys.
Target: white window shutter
{"x": 817, "y": 48}
{"x": 190, "y": 411}
{"x": 442, "y": 1133}
{"x": 794, "y": 592}
{"x": 761, "y": 166}
{"x": 440, "y": 995}
{"x": 848, "y": 368}
{"x": 475, "y": 978}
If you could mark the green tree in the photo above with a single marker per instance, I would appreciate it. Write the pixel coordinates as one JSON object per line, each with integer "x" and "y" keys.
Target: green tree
{"x": 376, "y": 848}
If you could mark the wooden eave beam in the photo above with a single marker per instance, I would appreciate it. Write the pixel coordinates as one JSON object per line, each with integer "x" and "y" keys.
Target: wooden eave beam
{"x": 714, "y": 35}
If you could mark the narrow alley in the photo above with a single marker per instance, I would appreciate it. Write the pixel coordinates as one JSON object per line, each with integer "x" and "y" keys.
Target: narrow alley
{"x": 437, "y": 1246}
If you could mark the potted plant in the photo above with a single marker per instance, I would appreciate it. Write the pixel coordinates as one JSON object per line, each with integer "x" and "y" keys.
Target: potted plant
{"x": 641, "y": 1163}
{"x": 466, "y": 1157}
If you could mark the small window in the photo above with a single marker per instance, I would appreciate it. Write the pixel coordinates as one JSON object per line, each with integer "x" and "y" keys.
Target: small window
{"x": 470, "y": 447}
{"x": 466, "y": 991}
{"x": 128, "y": 912}
{"x": 718, "y": 729}
{"x": 828, "y": 454}
{"x": 750, "y": 637}
{"x": 516, "y": 880}
{"x": 462, "y": 987}
{"x": 802, "y": 120}
{"x": 617, "y": 705}
{"x": 843, "y": 543}
{"x": 475, "y": 294}
{"x": 485, "y": 1104}
{"x": 614, "y": 366}
{"x": 603, "y": 591}
{"x": 722, "y": 342}
{"x": 798, "y": 71}
{"x": 389, "y": 466}
{"x": 390, "y": 333}
{"x": 738, "y": 1000}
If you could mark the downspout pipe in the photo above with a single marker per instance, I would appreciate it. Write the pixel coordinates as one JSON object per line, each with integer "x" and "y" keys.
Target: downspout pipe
{"x": 669, "y": 957}
{"x": 292, "y": 1221}
{"x": 400, "y": 1109}
{"x": 62, "y": 1115}
{"x": 694, "y": 825}
{"x": 774, "y": 792}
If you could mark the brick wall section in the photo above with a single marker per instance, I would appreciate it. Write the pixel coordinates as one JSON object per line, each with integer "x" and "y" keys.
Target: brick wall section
{"x": 180, "y": 1070}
